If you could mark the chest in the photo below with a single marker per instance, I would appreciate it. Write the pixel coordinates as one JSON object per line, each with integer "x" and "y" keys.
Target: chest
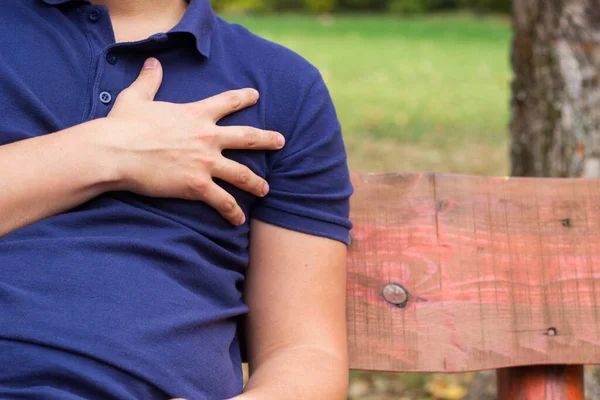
{"x": 61, "y": 67}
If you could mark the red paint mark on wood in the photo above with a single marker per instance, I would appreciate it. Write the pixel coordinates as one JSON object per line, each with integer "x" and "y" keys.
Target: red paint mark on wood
{"x": 545, "y": 382}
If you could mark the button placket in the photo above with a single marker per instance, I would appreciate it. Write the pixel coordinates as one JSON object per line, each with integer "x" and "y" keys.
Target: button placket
{"x": 107, "y": 79}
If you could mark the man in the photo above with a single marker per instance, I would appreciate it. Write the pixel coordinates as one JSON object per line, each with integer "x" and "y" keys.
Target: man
{"x": 129, "y": 198}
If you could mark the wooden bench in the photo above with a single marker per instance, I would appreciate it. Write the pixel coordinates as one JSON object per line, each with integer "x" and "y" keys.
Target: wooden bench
{"x": 452, "y": 273}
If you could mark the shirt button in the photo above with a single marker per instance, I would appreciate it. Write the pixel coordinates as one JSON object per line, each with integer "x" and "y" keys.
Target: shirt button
{"x": 105, "y": 97}
{"x": 94, "y": 15}
{"x": 111, "y": 58}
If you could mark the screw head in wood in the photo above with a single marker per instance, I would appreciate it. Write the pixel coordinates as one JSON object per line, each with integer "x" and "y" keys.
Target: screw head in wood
{"x": 395, "y": 294}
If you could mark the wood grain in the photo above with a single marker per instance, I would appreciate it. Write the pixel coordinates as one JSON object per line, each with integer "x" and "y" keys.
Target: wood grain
{"x": 499, "y": 272}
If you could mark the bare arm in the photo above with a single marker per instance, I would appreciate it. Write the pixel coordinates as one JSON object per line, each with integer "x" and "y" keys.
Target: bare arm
{"x": 296, "y": 294}
{"x": 49, "y": 174}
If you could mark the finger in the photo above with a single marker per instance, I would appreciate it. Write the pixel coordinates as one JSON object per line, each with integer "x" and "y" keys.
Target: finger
{"x": 225, "y": 204}
{"x": 149, "y": 80}
{"x": 241, "y": 176}
{"x": 229, "y": 102}
{"x": 246, "y": 137}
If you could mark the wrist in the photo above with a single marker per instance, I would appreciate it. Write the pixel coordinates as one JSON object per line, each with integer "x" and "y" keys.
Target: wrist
{"x": 98, "y": 138}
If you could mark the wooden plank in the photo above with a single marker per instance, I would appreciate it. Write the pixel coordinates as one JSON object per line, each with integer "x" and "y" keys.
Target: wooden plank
{"x": 499, "y": 272}
{"x": 543, "y": 382}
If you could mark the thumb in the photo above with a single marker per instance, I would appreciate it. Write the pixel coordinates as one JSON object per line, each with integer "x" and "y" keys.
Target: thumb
{"x": 149, "y": 80}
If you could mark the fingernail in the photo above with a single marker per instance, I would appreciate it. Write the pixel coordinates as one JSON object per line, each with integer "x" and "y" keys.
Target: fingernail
{"x": 256, "y": 94}
{"x": 150, "y": 63}
{"x": 265, "y": 189}
{"x": 242, "y": 220}
{"x": 281, "y": 141}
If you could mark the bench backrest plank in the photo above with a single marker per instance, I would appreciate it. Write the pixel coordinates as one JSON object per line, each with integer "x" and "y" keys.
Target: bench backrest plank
{"x": 499, "y": 272}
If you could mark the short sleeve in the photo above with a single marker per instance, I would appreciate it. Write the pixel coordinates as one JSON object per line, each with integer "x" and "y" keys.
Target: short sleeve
{"x": 309, "y": 179}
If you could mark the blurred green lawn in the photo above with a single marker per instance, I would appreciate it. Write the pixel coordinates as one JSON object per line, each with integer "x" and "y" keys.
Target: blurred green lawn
{"x": 420, "y": 94}
{"x": 416, "y": 94}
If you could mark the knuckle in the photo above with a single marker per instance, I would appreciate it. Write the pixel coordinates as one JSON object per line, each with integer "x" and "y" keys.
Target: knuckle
{"x": 251, "y": 137}
{"x": 229, "y": 205}
{"x": 209, "y": 162}
{"x": 194, "y": 188}
{"x": 199, "y": 185}
{"x": 207, "y": 135}
{"x": 234, "y": 100}
{"x": 244, "y": 176}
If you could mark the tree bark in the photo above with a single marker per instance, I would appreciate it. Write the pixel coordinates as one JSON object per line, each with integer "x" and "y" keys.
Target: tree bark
{"x": 555, "y": 127}
{"x": 556, "y": 89}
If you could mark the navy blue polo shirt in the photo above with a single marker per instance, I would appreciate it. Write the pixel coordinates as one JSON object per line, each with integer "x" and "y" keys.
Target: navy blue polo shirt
{"x": 131, "y": 297}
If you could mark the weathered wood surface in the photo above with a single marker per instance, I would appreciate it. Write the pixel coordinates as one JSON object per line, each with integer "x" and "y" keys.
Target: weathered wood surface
{"x": 500, "y": 272}
{"x": 547, "y": 382}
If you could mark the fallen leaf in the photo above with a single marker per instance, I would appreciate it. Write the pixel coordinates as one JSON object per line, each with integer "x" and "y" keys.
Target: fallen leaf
{"x": 446, "y": 389}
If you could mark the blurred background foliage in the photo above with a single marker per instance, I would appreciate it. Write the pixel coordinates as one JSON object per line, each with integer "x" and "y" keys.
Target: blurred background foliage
{"x": 401, "y": 7}
{"x": 429, "y": 92}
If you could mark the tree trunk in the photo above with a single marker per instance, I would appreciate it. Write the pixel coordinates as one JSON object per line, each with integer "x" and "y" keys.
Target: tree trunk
{"x": 555, "y": 127}
{"x": 556, "y": 90}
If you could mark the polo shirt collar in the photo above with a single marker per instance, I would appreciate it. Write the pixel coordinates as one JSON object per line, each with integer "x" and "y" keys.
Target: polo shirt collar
{"x": 198, "y": 20}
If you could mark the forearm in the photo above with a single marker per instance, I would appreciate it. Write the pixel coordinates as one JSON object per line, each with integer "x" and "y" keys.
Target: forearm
{"x": 52, "y": 173}
{"x": 299, "y": 373}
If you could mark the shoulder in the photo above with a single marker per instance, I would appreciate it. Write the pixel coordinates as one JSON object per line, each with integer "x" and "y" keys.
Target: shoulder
{"x": 272, "y": 57}
{"x": 284, "y": 78}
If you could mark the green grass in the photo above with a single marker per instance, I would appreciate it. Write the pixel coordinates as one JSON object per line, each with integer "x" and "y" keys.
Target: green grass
{"x": 424, "y": 93}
